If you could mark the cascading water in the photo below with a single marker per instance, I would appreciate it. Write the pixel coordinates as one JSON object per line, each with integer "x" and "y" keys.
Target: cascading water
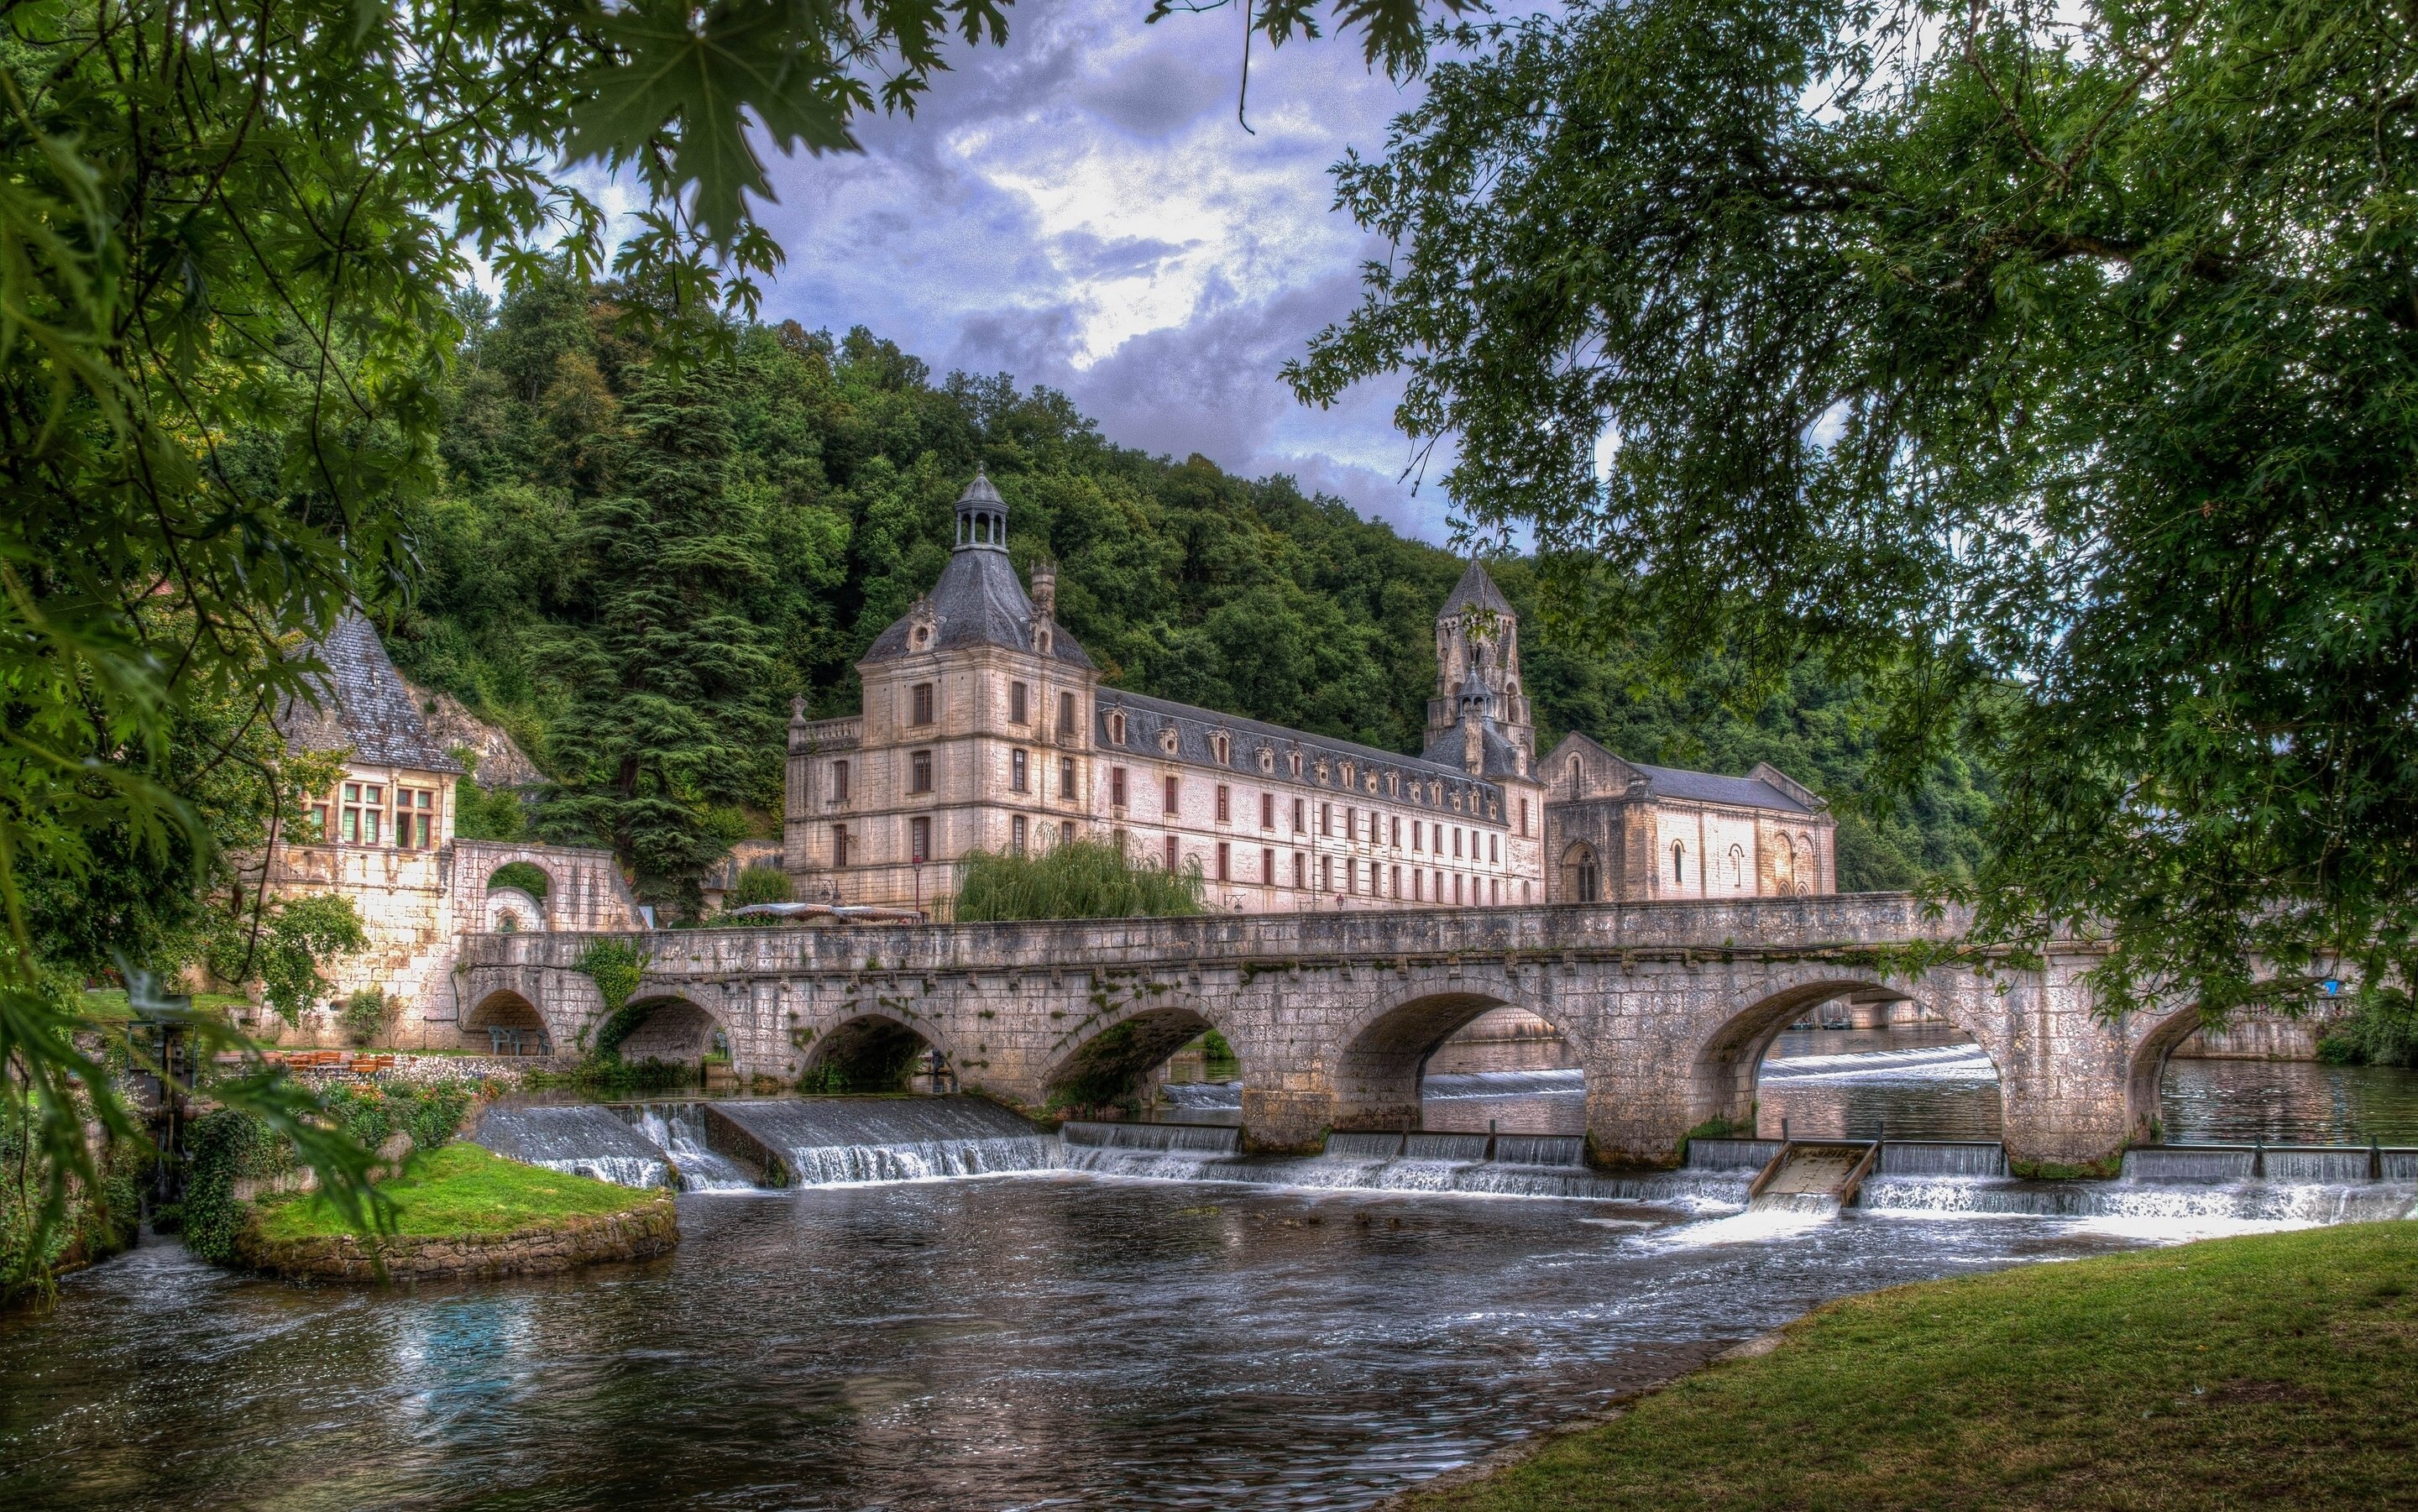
{"x": 1474, "y": 1084}
{"x": 677, "y": 1129}
{"x": 1163, "y": 1151}
{"x": 835, "y": 1140}
{"x": 582, "y": 1138}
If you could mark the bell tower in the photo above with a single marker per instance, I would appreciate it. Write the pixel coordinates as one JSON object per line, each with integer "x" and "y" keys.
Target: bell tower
{"x": 1477, "y": 663}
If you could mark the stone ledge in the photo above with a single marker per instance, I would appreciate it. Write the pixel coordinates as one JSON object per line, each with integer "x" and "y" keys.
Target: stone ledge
{"x": 637, "y": 1233}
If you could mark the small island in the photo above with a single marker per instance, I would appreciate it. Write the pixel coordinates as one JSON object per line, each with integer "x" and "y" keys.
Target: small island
{"x": 462, "y": 1212}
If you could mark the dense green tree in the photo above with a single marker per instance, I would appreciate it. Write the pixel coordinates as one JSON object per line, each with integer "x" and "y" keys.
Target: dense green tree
{"x": 2051, "y": 366}
{"x": 832, "y": 469}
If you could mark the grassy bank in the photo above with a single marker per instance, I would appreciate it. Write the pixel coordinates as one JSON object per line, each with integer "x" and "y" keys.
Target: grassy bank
{"x": 2274, "y": 1371}
{"x": 461, "y": 1189}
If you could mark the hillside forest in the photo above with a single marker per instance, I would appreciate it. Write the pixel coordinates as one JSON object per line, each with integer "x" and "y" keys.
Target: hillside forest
{"x": 633, "y": 566}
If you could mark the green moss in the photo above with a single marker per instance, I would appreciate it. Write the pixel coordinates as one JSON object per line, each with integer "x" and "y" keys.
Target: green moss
{"x": 2272, "y": 1371}
{"x": 461, "y": 1189}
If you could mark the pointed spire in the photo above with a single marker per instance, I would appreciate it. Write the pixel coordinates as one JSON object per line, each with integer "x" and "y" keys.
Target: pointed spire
{"x": 1475, "y": 590}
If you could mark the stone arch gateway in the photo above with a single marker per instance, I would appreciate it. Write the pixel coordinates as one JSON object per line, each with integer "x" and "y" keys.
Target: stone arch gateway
{"x": 1660, "y": 1001}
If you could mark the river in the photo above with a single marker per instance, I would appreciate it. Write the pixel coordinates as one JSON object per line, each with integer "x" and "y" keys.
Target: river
{"x": 1050, "y": 1338}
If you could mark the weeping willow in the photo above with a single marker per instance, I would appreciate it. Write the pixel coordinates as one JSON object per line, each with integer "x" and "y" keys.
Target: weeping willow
{"x": 1079, "y": 880}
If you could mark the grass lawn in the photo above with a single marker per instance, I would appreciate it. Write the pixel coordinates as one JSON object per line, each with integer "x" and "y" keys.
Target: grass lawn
{"x": 108, "y": 1005}
{"x": 2274, "y": 1371}
{"x": 461, "y": 1189}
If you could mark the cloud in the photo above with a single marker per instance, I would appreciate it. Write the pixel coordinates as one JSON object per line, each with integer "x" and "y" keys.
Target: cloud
{"x": 1081, "y": 209}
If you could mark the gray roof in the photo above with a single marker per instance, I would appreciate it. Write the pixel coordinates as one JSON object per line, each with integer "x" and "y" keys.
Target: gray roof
{"x": 1705, "y": 787}
{"x": 1146, "y": 716}
{"x": 362, "y": 705}
{"x": 1475, "y": 590}
{"x": 1501, "y": 757}
{"x": 977, "y": 602}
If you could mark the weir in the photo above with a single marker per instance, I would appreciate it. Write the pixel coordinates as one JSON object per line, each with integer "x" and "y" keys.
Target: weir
{"x": 582, "y": 1138}
{"x": 825, "y": 1141}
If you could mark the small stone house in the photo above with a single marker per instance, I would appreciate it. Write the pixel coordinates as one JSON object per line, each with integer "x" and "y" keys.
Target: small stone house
{"x": 382, "y": 836}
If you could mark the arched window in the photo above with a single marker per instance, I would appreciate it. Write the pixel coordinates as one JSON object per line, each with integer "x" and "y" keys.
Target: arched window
{"x": 1738, "y": 866}
{"x": 1582, "y": 875}
{"x": 1574, "y": 776}
{"x": 1679, "y": 862}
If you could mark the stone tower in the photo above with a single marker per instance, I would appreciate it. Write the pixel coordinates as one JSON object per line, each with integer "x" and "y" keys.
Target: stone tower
{"x": 1477, "y": 658}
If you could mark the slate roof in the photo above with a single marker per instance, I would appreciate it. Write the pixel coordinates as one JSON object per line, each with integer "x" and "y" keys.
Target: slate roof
{"x": 1146, "y": 716}
{"x": 363, "y": 706}
{"x": 1475, "y": 590}
{"x": 1501, "y": 757}
{"x": 977, "y": 602}
{"x": 1706, "y": 788}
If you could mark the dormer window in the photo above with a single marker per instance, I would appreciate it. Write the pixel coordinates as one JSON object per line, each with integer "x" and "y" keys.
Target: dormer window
{"x": 1296, "y": 762}
{"x": 921, "y": 637}
{"x": 1116, "y": 728}
{"x": 1168, "y": 740}
{"x": 1221, "y": 749}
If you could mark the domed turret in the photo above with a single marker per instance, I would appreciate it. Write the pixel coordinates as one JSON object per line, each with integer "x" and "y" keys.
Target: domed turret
{"x": 982, "y": 517}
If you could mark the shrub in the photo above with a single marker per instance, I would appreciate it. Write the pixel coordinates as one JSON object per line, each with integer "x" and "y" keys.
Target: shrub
{"x": 219, "y": 1148}
{"x": 1079, "y": 880}
{"x": 364, "y": 1015}
{"x": 760, "y": 884}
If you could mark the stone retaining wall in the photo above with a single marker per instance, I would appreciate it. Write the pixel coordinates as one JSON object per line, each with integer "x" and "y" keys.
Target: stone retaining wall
{"x": 638, "y": 1233}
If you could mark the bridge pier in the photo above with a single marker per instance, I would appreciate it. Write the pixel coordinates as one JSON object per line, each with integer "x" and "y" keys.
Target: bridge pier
{"x": 1281, "y": 1123}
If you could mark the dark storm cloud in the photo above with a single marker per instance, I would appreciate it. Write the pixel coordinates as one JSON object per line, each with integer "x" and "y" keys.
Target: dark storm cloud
{"x": 1080, "y": 210}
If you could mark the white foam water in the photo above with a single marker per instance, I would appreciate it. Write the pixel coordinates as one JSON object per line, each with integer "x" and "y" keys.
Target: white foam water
{"x": 677, "y": 1129}
{"x": 622, "y": 1170}
{"x": 1475, "y": 1084}
{"x": 1928, "y": 1063}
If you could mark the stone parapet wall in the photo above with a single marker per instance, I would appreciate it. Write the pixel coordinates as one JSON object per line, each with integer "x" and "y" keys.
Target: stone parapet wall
{"x": 642, "y": 1232}
{"x": 2258, "y": 1036}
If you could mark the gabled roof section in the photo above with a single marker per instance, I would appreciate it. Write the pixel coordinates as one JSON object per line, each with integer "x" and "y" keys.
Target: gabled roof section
{"x": 363, "y": 706}
{"x": 1475, "y": 590}
{"x": 977, "y": 602}
{"x": 1766, "y": 788}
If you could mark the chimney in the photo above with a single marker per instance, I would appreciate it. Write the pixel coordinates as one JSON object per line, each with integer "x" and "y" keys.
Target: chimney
{"x": 1045, "y": 588}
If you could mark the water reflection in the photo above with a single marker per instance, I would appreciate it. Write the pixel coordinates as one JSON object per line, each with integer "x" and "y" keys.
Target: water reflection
{"x": 1918, "y": 1082}
{"x": 1039, "y": 1341}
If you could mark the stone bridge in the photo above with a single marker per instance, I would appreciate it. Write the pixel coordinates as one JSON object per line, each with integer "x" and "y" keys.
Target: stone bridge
{"x": 1668, "y": 1006}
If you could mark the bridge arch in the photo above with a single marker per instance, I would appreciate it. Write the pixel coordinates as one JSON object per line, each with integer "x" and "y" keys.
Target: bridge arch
{"x": 505, "y": 1022}
{"x": 1381, "y": 1064}
{"x": 872, "y": 1052}
{"x": 1102, "y": 1066}
{"x": 1729, "y": 1061}
{"x": 672, "y": 1028}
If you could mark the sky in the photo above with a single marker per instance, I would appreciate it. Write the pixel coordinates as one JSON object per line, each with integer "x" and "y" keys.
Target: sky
{"x": 1081, "y": 209}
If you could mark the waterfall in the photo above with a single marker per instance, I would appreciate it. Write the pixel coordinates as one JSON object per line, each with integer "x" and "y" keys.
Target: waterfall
{"x": 829, "y": 1142}
{"x": 1456, "y": 1147}
{"x": 1942, "y": 1157}
{"x": 1539, "y": 1150}
{"x": 2184, "y": 1163}
{"x": 1360, "y": 1145}
{"x": 677, "y": 1129}
{"x": 2245, "y": 1201}
{"x": 1454, "y": 1086}
{"x": 1204, "y": 1096}
{"x": 1731, "y": 1154}
{"x": 582, "y": 1138}
{"x": 1209, "y": 1139}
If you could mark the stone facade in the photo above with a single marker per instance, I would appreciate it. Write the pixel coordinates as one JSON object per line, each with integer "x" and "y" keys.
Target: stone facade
{"x": 985, "y": 727}
{"x": 1617, "y": 831}
{"x": 383, "y": 836}
{"x": 1667, "y": 1007}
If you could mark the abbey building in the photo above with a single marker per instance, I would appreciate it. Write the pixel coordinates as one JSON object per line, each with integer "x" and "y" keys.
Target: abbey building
{"x": 985, "y": 727}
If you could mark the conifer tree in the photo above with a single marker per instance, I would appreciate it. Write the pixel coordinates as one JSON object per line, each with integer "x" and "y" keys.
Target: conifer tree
{"x": 667, "y": 734}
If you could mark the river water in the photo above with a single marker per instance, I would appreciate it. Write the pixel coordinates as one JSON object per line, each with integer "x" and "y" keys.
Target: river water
{"x": 1044, "y": 1339}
